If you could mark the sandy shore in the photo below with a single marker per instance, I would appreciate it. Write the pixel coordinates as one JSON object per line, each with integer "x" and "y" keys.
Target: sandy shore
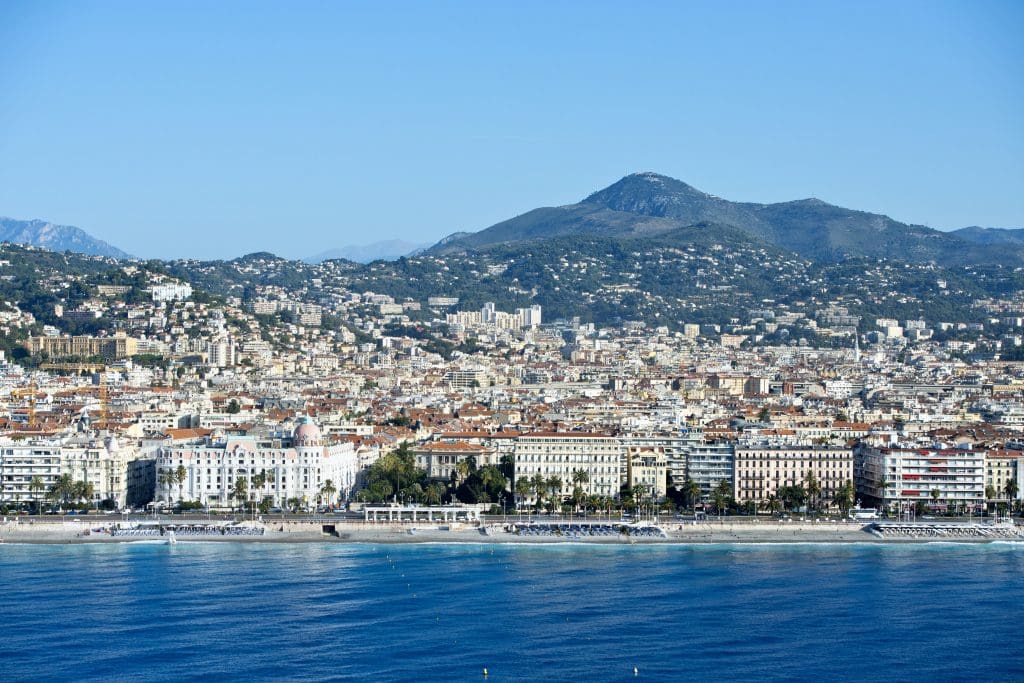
{"x": 71, "y": 532}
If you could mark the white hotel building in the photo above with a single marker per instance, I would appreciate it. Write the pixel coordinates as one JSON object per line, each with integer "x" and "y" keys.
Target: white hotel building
{"x": 295, "y": 468}
{"x": 552, "y": 454}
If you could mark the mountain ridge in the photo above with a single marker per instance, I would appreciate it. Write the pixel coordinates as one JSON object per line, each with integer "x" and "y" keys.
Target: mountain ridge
{"x": 386, "y": 250}
{"x": 40, "y": 233}
{"x": 647, "y": 204}
{"x": 979, "y": 235}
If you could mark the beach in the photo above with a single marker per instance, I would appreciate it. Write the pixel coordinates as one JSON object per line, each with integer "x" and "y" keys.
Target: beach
{"x": 36, "y": 531}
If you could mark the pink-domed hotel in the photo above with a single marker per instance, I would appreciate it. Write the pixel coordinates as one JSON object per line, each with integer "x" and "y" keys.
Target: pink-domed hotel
{"x": 290, "y": 465}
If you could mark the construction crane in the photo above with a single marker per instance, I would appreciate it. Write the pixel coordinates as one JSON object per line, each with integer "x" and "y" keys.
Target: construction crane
{"x": 103, "y": 398}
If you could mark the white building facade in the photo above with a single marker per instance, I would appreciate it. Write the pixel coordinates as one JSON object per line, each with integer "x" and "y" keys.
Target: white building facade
{"x": 20, "y": 463}
{"x": 171, "y": 291}
{"x": 103, "y": 465}
{"x": 761, "y": 470}
{"x": 295, "y": 471}
{"x": 553, "y": 454}
{"x": 899, "y": 478}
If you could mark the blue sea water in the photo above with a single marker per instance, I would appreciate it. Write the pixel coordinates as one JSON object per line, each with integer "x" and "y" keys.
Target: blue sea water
{"x": 243, "y": 612}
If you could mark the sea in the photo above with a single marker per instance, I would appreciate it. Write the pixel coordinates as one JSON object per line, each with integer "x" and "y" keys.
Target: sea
{"x": 348, "y": 612}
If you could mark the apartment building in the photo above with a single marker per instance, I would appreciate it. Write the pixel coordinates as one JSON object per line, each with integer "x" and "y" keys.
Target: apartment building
{"x": 647, "y": 467}
{"x": 466, "y": 379}
{"x": 898, "y": 478}
{"x": 103, "y": 464}
{"x": 1002, "y": 467}
{"x": 761, "y": 470}
{"x": 20, "y": 463}
{"x": 708, "y": 463}
{"x": 674, "y": 445}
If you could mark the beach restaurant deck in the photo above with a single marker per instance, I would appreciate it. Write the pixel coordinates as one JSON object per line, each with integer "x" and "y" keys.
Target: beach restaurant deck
{"x": 417, "y": 513}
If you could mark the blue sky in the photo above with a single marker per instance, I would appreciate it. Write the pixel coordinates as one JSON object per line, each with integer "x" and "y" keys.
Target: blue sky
{"x": 217, "y": 129}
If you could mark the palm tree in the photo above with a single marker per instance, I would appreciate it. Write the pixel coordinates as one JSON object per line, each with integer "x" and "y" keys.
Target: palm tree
{"x": 637, "y": 492}
{"x": 578, "y": 496}
{"x": 773, "y": 504}
{"x": 493, "y": 480}
{"x": 843, "y": 497}
{"x": 432, "y": 494}
{"x": 626, "y": 500}
{"x": 722, "y": 493}
{"x": 813, "y": 488}
{"x": 268, "y": 479}
{"x": 523, "y": 488}
{"x": 539, "y": 484}
{"x": 180, "y": 475}
{"x": 62, "y": 490}
{"x": 241, "y": 489}
{"x": 83, "y": 491}
{"x": 1011, "y": 490}
{"x": 328, "y": 490}
{"x": 166, "y": 479}
{"x": 990, "y": 494}
{"x": 35, "y": 487}
{"x": 463, "y": 469}
{"x": 555, "y": 486}
{"x": 692, "y": 489}
{"x": 507, "y": 465}
{"x": 258, "y": 481}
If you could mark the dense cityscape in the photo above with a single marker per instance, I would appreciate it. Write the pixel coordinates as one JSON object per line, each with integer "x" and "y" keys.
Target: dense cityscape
{"x": 511, "y": 342}
{"x": 128, "y": 389}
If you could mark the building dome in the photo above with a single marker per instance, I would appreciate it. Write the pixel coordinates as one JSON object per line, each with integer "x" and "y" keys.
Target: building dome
{"x": 306, "y": 433}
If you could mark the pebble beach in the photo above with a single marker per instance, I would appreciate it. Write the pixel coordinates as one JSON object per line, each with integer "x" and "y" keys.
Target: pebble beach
{"x": 79, "y": 531}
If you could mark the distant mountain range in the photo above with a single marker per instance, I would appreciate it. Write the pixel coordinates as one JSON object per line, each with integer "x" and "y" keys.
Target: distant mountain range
{"x": 387, "y": 250}
{"x": 1005, "y": 236}
{"x": 648, "y": 204}
{"x": 55, "y": 237}
{"x": 644, "y": 205}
